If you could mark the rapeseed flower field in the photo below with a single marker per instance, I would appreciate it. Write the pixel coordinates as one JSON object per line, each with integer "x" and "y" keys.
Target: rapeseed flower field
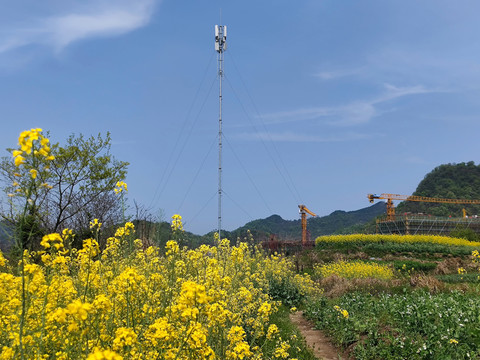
{"x": 208, "y": 303}
{"x": 400, "y": 239}
{"x": 355, "y": 270}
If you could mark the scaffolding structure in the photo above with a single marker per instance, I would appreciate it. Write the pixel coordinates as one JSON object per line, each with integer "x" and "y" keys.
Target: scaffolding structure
{"x": 417, "y": 224}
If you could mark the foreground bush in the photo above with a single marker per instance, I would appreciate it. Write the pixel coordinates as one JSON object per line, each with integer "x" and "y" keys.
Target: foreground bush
{"x": 209, "y": 303}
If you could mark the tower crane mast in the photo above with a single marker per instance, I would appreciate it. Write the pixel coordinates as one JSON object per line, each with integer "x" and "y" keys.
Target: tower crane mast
{"x": 303, "y": 213}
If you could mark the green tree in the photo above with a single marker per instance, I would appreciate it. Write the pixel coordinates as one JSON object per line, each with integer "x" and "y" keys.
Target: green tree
{"x": 465, "y": 233}
{"x": 78, "y": 186}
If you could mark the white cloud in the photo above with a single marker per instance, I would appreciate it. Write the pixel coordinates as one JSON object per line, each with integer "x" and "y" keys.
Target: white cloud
{"x": 394, "y": 92}
{"x": 354, "y": 113}
{"x": 85, "y": 20}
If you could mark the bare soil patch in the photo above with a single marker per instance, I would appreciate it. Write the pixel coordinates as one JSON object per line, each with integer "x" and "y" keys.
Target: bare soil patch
{"x": 316, "y": 339}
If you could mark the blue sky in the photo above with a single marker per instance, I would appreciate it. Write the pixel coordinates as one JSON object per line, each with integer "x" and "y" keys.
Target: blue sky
{"x": 324, "y": 101}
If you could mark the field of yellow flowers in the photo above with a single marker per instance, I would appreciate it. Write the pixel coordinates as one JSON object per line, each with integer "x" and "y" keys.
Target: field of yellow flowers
{"x": 354, "y": 270}
{"x": 378, "y": 245}
{"x": 208, "y": 303}
{"x": 399, "y": 239}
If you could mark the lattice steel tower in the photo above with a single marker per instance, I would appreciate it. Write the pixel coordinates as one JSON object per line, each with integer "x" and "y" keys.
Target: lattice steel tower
{"x": 220, "y": 47}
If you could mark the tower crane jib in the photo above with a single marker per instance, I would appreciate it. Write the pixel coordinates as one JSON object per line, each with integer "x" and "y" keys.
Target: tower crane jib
{"x": 391, "y": 197}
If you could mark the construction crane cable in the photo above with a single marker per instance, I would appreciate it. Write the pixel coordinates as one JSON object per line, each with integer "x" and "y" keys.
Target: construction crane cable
{"x": 299, "y": 198}
{"x": 248, "y": 175}
{"x": 203, "y": 207}
{"x": 179, "y": 154}
{"x": 181, "y": 133}
{"x": 238, "y": 205}
{"x": 196, "y": 174}
{"x": 263, "y": 143}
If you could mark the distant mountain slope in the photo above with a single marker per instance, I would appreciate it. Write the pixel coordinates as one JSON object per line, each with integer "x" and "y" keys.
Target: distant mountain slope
{"x": 451, "y": 181}
{"x": 339, "y": 220}
{"x": 291, "y": 229}
{"x": 261, "y": 229}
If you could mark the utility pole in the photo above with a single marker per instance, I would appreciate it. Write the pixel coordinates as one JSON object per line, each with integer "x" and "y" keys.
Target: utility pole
{"x": 220, "y": 47}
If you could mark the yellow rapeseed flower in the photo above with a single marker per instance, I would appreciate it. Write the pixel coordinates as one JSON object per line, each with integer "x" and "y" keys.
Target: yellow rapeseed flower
{"x": 79, "y": 310}
{"x": 341, "y": 311}
{"x": 95, "y": 223}
{"x": 104, "y": 355}
{"x": 31, "y": 140}
{"x": 177, "y": 224}
{"x": 52, "y": 240}
{"x": 124, "y": 337}
{"x": 120, "y": 187}
{"x": 272, "y": 331}
{"x": 281, "y": 352}
{"x": 16, "y": 153}
{"x": 3, "y": 262}
{"x": 19, "y": 160}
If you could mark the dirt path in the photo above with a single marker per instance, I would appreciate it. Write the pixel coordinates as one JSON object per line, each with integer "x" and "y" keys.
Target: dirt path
{"x": 316, "y": 340}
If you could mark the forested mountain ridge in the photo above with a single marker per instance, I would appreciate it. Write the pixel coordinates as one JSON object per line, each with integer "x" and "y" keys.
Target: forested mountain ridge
{"x": 337, "y": 221}
{"x": 449, "y": 181}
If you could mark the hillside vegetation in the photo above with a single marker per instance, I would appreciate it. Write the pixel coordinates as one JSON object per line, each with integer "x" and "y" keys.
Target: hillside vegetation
{"x": 337, "y": 222}
{"x": 451, "y": 181}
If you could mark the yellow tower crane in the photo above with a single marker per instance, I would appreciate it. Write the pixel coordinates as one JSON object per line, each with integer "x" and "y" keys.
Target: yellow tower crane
{"x": 391, "y": 197}
{"x": 303, "y": 213}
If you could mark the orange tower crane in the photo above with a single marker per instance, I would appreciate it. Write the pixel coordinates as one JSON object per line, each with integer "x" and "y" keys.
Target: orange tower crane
{"x": 303, "y": 212}
{"x": 391, "y": 197}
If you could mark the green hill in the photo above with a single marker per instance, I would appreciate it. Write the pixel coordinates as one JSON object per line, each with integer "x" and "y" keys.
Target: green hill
{"x": 450, "y": 181}
{"x": 337, "y": 222}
